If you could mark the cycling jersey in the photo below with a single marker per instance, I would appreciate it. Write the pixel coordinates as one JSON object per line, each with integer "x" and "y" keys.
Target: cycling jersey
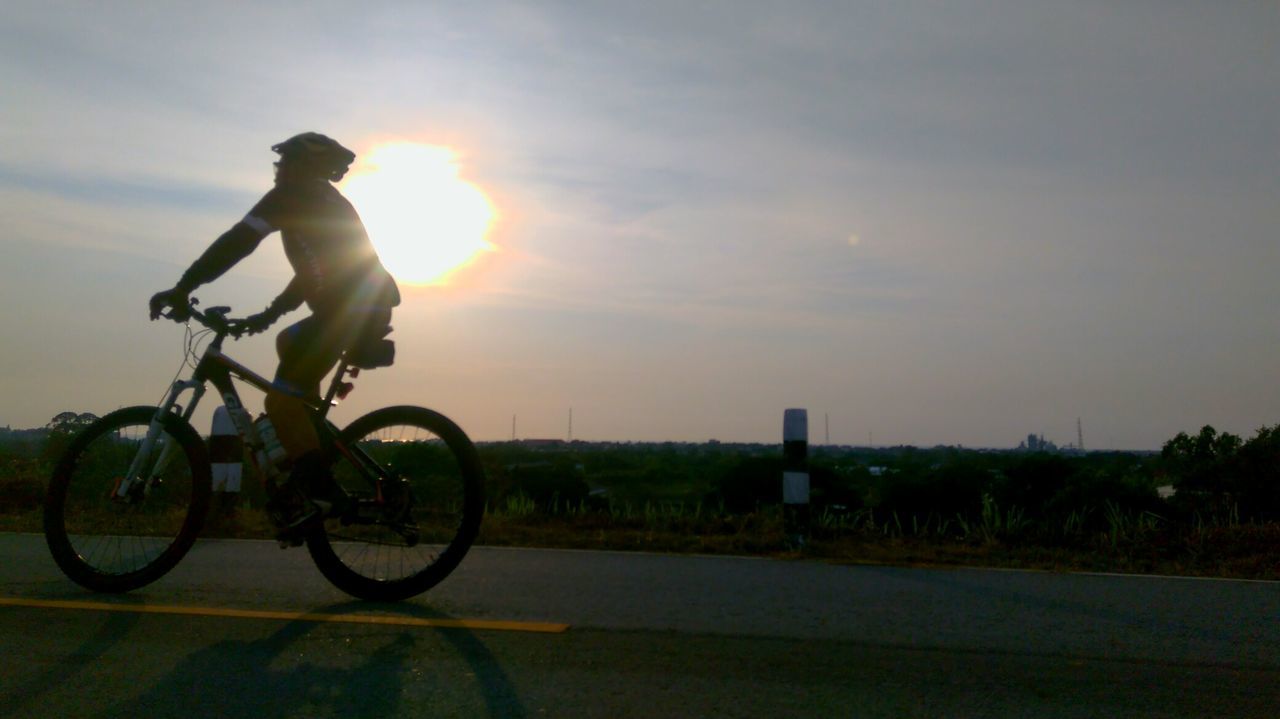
{"x": 336, "y": 269}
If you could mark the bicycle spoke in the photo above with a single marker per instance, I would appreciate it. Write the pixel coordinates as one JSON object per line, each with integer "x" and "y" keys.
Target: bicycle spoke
{"x": 111, "y": 542}
{"x": 429, "y": 503}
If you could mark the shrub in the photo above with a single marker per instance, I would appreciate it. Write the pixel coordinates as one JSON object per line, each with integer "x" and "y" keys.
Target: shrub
{"x": 954, "y": 489}
{"x": 549, "y": 485}
{"x": 756, "y": 482}
{"x": 1033, "y": 481}
{"x": 22, "y": 484}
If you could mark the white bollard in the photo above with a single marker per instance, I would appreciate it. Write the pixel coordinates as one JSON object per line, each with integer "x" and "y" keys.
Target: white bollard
{"x": 225, "y": 453}
{"x": 795, "y": 474}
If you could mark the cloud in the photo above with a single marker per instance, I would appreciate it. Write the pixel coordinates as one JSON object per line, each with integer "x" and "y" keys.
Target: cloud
{"x": 1019, "y": 180}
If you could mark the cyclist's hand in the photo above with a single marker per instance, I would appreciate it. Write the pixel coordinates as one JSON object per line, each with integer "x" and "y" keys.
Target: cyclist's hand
{"x": 175, "y": 299}
{"x": 254, "y": 324}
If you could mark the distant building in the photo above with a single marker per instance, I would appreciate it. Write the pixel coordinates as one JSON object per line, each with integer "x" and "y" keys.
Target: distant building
{"x": 1035, "y": 443}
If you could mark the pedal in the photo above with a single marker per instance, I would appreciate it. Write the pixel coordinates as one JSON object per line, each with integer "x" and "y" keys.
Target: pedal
{"x": 293, "y": 533}
{"x": 293, "y": 536}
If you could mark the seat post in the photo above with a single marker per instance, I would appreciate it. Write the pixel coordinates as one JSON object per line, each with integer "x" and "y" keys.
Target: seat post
{"x": 335, "y": 386}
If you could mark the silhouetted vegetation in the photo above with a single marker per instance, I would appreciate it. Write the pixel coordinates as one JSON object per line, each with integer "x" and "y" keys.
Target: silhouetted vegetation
{"x": 1217, "y": 513}
{"x": 1219, "y": 476}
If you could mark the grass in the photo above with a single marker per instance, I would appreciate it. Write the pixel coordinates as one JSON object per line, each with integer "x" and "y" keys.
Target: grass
{"x": 1128, "y": 544}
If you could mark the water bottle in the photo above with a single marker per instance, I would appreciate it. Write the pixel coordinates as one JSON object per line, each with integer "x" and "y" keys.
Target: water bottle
{"x": 271, "y": 455}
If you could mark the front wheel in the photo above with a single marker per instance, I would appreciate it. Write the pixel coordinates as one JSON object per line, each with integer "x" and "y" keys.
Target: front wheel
{"x": 124, "y": 506}
{"x": 415, "y": 497}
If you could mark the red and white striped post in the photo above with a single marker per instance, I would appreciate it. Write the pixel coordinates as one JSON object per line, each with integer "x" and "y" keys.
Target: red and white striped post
{"x": 225, "y": 454}
{"x": 795, "y": 475}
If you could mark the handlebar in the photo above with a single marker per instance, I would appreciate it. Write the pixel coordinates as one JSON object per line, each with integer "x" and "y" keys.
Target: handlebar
{"x": 215, "y": 318}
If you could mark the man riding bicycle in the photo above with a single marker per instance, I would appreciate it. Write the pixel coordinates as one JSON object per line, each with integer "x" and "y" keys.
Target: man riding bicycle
{"x": 337, "y": 274}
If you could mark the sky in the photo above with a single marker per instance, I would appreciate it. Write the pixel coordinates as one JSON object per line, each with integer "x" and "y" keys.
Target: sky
{"x": 926, "y": 223}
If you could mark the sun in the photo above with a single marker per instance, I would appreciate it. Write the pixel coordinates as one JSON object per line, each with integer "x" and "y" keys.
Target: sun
{"x": 424, "y": 219}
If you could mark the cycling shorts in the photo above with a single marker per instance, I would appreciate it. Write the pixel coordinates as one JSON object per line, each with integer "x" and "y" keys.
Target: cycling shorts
{"x": 310, "y": 348}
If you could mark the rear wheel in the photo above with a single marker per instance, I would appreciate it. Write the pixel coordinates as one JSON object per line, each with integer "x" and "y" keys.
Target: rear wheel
{"x": 416, "y": 490}
{"x": 112, "y": 543}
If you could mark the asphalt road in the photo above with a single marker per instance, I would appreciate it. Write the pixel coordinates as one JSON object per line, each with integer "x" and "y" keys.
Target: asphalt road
{"x": 647, "y": 635}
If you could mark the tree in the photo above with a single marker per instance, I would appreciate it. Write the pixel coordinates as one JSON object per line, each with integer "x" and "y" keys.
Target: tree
{"x": 71, "y": 421}
{"x": 1257, "y": 475}
{"x": 1202, "y": 469}
{"x": 61, "y": 428}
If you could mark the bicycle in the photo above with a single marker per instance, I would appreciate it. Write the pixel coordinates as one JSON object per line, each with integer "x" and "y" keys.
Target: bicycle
{"x": 129, "y": 496}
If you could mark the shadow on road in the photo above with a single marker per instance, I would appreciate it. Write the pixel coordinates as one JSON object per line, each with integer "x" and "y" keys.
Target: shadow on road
{"x": 283, "y": 676}
{"x": 115, "y": 628}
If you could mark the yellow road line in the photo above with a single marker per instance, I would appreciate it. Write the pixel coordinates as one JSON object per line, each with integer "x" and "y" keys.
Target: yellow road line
{"x": 389, "y": 619}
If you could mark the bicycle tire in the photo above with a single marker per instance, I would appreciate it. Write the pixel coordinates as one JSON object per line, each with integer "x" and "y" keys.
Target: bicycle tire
{"x": 111, "y": 545}
{"x": 440, "y": 466}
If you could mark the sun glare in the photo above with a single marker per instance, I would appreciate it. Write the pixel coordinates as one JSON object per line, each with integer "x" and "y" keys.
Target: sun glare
{"x": 424, "y": 219}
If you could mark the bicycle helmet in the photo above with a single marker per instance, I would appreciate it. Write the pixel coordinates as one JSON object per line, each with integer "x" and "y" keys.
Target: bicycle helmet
{"x": 329, "y": 158}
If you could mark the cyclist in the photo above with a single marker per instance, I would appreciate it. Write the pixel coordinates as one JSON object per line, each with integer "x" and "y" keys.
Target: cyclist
{"x": 337, "y": 274}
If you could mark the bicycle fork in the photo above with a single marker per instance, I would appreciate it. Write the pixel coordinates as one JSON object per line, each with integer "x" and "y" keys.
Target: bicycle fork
{"x": 138, "y": 469}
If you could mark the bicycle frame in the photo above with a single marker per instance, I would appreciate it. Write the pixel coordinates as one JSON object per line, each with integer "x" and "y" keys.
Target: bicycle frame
{"x": 216, "y": 368}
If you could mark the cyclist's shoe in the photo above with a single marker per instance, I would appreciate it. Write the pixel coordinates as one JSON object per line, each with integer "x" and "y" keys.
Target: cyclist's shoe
{"x": 308, "y": 496}
{"x": 293, "y": 515}
{"x": 312, "y": 471}
{"x": 295, "y": 534}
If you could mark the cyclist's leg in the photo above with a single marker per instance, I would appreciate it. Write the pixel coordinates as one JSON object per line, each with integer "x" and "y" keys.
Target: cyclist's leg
{"x": 307, "y": 352}
{"x": 305, "y": 358}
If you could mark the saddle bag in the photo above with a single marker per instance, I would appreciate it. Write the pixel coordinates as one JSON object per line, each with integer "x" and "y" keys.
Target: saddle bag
{"x": 373, "y": 350}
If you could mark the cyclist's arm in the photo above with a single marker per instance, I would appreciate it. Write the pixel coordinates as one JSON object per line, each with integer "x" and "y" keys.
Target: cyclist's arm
{"x": 234, "y": 245}
{"x": 289, "y": 300}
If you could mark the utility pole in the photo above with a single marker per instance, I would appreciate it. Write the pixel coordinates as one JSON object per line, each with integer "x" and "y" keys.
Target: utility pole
{"x": 513, "y": 428}
{"x": 826, "y": 420}
{"x": 1079, "y": 435}
{"x": 570, "y": 424}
